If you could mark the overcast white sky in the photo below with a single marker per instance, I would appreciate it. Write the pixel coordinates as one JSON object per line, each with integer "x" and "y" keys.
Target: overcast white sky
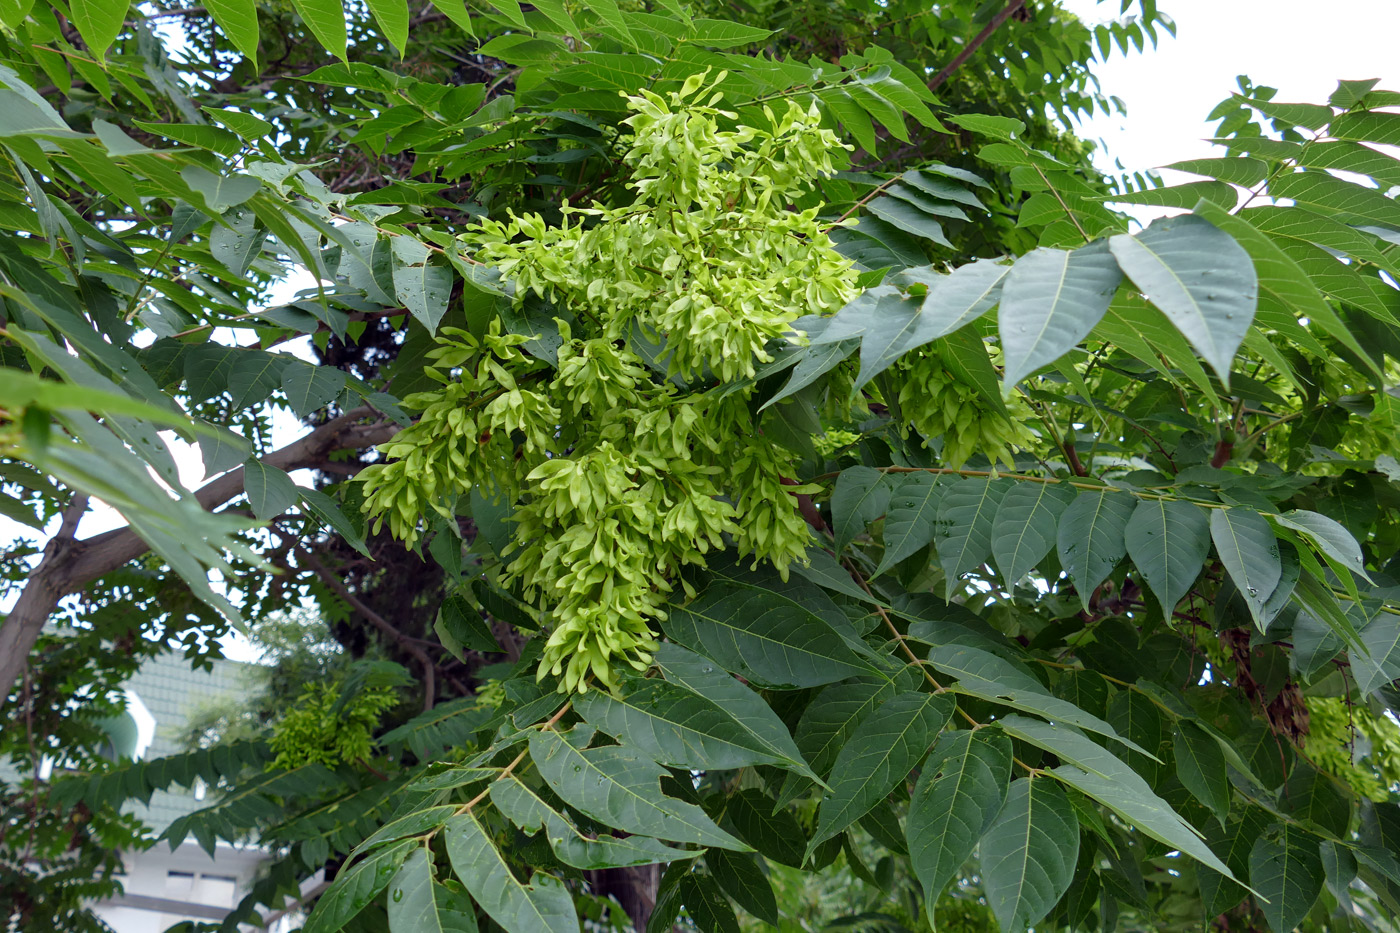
{"x": 1301, "y": 47}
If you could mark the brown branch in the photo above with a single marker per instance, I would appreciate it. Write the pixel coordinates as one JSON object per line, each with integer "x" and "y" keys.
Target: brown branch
{"x": 69, "y": 565}
{"x": 404, "y": 640}
{"x": 986, "y": 33}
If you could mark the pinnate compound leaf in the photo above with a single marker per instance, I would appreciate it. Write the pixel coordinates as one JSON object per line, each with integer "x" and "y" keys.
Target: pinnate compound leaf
{"x": 355, "y": 887}
{"x": 860, "y": 497}
{"x": 326, "y": 20}
{"x": 239, "y": 21}
{"x": 1051, "y": 300}
{"x": 677, "y": 726}
{"x": 1029, "y": 852}
{"x": 1285, "y": 867}
{"x": 765, "y": 637}
{"x": 1168, "y": 541}
{"x": 619, "y": 788}
{"x": 880, "y": 753}
{"x": 270, "y": 491}
{"x": 1199, "y": 277}
{"x": 1025, "y": 526}
{"x": 542, "y": 906}
{"x": 959, "y": 793}
{"x": 1249, "y": 551}
{"x": 911, "y": 517}
{"x": 417, "y": 904}
{"x": 1090, "y": 539}
{"x": 528, "y": 810}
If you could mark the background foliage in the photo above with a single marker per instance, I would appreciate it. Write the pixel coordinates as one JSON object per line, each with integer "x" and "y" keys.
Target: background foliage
{"x": 908, "y": 540}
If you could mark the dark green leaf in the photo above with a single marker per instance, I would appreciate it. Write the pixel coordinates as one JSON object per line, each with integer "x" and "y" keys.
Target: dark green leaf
{"x": 1286, "y": 869}
{"x": 1091, "y": 538}
{"x": 1051, "y": 300}
{"x": 1168, "y": 541}
{"x": 1028, "y": 853}
{"x": 542, "y": 906}
{"x": 1025, "y": 526}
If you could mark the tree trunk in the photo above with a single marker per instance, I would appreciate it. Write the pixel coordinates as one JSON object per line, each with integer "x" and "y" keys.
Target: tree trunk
{"x": 633, "y": 888}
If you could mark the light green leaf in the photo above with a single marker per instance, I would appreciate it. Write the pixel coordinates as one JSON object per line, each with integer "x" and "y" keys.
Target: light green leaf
{"x": 1248, "y": 549}
{"x": 392, "y": 17}
{"x": 1025, "y": 525}
{"x": 965, "y": 525}
{"x": 99, "y": 22}
{"x": 1090, "y": 539}
{"x": 1168, "y": 541}
{"x": 1028, "y": 853}
{"x": 270, "y": 491}
{"x": 239, "y": 21}
{"x": 1051, "y": 300}
{"x": 1381, "y": 663}
{"x": 1285, "y": 867}
{"x": 860, "y": 497}
{"x": 619, "y": 788}
{"x": 911, "y": 518}
{"x": 1328, "y": 194}
{"x": 417, "y": 904}
{"x": 677, "y": 727}
{"x": 722, "y": 34}
{"x": 527, "y": 809}
{"x": 765, "y": 637}
{"x": 542, "y": 906}
{"x": 880, "y": 753}
{"x": 355, "y": 887}
{"x": 960, "y": 791}
{"x": 326, "y": 20}
{"x": 1200, "y": 278}
{"x": 1200, "y": 766}
{"x": 220, "y": 192}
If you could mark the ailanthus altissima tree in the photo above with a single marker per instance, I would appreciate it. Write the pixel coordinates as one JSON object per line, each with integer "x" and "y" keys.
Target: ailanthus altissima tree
{"x": 756, "y": 438}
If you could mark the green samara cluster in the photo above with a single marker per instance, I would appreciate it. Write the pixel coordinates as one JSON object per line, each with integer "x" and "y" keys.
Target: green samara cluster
{"x": 624, "y": 468}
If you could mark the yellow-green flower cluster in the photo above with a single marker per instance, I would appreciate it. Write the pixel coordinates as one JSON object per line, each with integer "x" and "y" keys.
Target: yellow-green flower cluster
{"x": 314, "y": 731}
{"x": 623, "y": 475}
{"x": 937, "y": 404}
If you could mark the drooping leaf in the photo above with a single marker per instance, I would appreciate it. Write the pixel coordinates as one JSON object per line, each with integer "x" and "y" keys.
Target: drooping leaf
{"x": 960, "y": 791}
{"x": 1050, "y": 301}
{"x": 1026, "y": 525}
{"x": 418, "y": 904}
{"x": 911, "y": 517}
{"x": 1286, "y": 869}
{"x": 740, "y": 877}
{"x": 239, "y": 21}
{"x": 1091, "y": 538}
{"x": 1168, "y": 541}
{"x": 860, "y": 497}
{"x": 99, "y": 22}
{"x": 1200, "y": 766}
{"x": 965, "y": 522}
{"x": 392, "y": 17}
{"x": 270, "y": 491}
{"x": 618, "y": 787}
{"x": 879, "y": 754}
{"x": 1029, "y": 852}
{"x": 326, "y": 20}
{"x": 1250, "y": 553}
{"x": 542, "y": 906}
{"x": 354, "y": 888}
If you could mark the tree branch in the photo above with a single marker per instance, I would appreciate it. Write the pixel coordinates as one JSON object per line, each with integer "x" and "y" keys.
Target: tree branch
{"x": 976, "y": 43}
{"x": 69, "y": 565}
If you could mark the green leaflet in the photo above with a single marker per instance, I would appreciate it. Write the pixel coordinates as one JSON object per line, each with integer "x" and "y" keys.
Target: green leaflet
{"x": 1025, "y": 527}
{"x": 1199, "y": 277}
{"x": 422, "y": 286}
{"x": 911, "y": 517}
{"x": 99, "y": 22}
{"x": 879, "y": 754}
{"x": 772, "y": 831}
{"x": 392, "y": 17}
{"x": 1286, "y": 869}
{"x": 1250, "y": 553}
{"x": 1200, "y": 766}
{"x": 1029, "y": 852}
{"x": 326, "y": 20}
{"x": 740, "y": 877}
{"x": 524, "y": 807}
{"x": 418, "y": 904}
{"x": 354, "y": 889}
{"x": 765, "y": 638}
{"x": 542, "y": 906}
{"x": 860, "y": 497}
{"x": 310, "y": 388}
{"x": 965, "y": 522}
{"x": 1051, "y": 300}
{"x": 239, "y": 21}
{"x": 1168, "y": 541}
{"x": 1219, "y": 893}
{"x": 1091, "y": 538}
{"x": 1091, "y": 770}
{"x": 678, "y": 727}
{"x": 983, "y": 674}
{"x": 270, "y": 491}
{"x": 960, "y": 791}
{"x": 618, "y": 787}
